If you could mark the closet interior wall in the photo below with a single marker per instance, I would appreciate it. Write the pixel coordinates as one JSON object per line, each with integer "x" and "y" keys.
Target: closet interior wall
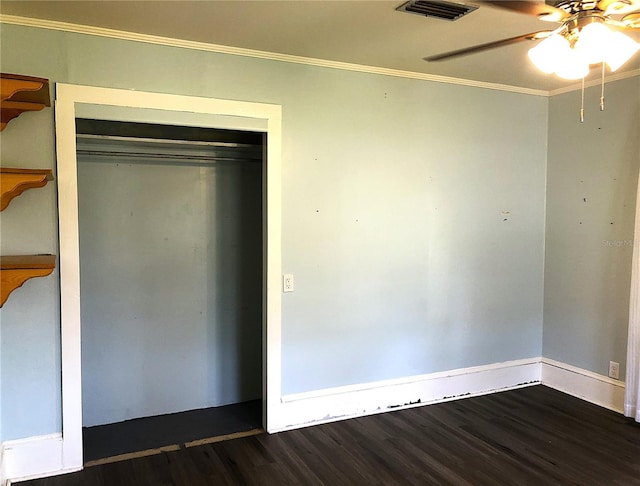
{"x": 171, "y": 244}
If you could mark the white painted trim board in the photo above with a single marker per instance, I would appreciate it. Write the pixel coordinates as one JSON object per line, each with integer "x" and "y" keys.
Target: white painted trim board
{"x": 587, "y": 385}
{"x": 68, "y": 96}
{"x": 332, "y": 404}
{"x": 309, "y": 61}
{"x": 273, "y": 56}
{"x": 39, "y": 456}
{"x": 43, "y": 456}
{"x": 609, "y": 78}
{"x": 33, "y": 457}
{"x": 3, "y": 476}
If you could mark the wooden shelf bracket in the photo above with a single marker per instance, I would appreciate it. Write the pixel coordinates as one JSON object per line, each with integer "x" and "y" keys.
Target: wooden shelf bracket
{"x": 14, "y": 182}
{"x": 21, "y": 93}
{"x": 16, "y": 270}
{"x": 18, "y": 94}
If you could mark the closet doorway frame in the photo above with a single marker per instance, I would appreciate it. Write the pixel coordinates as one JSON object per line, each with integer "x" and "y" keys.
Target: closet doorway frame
{"x": 67, "y": 97}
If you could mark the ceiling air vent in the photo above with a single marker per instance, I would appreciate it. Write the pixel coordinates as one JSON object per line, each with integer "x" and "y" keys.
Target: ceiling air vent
{"x": 440, "y": 10}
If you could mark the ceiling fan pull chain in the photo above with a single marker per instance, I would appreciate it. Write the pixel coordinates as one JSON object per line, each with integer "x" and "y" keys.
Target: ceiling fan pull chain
{"x": 582, "y": 103}
{"x": 602, "y": 92}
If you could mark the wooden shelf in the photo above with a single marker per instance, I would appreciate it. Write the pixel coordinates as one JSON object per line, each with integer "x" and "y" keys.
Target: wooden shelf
{"x": 16, "y": 270}
{"x": 21, "y": 93}
{"x": 14, "y": 182}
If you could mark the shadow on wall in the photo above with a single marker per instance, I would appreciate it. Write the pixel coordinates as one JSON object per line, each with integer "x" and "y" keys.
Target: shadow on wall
{"x": 171, "y": 281}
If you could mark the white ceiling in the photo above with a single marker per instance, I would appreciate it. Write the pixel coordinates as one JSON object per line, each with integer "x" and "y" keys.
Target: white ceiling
{"x": 364, "y": 32}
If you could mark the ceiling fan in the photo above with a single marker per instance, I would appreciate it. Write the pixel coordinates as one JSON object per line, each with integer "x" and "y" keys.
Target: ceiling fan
{"x": 590, "y": 32}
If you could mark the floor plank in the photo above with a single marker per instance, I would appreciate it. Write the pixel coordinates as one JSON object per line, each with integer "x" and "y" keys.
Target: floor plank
{"x": 530, "y": 436}
{"x": 147, "y": 434}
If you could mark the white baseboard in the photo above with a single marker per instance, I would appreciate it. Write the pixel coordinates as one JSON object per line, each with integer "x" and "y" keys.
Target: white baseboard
{"x": 2, "y": 474}
{"x": 42, "y": 456}
{"x": 587, "y": 385}
{"x": 303, "y": 409}
{"x": 33, "y": 457}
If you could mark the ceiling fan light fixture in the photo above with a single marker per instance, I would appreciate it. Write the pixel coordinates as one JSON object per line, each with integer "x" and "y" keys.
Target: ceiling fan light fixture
{"x": 594, "y": 43}
{"x": 548, "y": 54}
{"x": 569, "y": 54}
{"x": 573, "y": 67}
{"x": 622, "y": 48}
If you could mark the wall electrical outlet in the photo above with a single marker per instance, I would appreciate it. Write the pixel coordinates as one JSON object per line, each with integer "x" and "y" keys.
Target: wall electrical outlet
{"x": 287, "y": 282}
{"x": 614, "y": 370}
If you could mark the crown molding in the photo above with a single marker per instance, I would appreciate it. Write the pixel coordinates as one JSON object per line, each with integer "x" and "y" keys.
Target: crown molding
{"x": 274, "y": 56}
{"x": 595, "y": 82}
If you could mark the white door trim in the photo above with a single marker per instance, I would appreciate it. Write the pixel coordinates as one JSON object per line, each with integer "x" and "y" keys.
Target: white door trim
{"x": 67, "y": 97}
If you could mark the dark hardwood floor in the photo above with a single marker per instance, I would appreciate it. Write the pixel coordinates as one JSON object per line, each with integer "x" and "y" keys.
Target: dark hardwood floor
{"x": 105, "y": 441}
{"x": 530, "y": 436}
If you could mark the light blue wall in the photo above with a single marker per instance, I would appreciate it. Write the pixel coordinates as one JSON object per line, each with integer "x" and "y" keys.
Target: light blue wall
{"x": 591, "y": 194}
{"x": 413, "y": 215}
{"x": 171, "y": 286}
{"x": 29, "y": 320}
{"x": 395, "y": 230}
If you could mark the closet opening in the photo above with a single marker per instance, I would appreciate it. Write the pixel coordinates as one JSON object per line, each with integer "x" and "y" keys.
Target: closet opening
{"x": 171, "y": 231}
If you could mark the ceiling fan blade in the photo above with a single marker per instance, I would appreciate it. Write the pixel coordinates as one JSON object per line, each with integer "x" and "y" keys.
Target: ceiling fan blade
{"x": 542, "y": 10}
{"x": 632, "y": 20}
{"x": 618, "y": 7}
{"x": 489, "y": 45}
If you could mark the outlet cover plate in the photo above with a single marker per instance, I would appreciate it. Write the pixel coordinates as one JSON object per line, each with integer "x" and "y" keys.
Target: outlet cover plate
{"x": 614, "y": 370}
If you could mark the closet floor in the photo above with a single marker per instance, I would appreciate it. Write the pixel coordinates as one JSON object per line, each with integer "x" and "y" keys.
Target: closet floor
{"x": 142, "y": 436}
